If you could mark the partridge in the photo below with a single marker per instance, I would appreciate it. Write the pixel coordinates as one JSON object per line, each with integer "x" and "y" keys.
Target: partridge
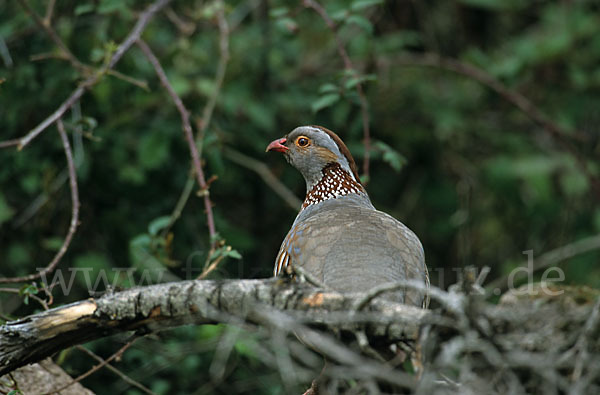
{"x": 338, "y": 237}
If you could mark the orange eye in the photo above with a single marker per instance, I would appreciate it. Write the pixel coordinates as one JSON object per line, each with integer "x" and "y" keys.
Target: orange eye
{"x": 302, "y": 141}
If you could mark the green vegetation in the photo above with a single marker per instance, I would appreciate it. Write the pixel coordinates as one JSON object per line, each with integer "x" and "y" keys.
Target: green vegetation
{"x": 485, "y": 138}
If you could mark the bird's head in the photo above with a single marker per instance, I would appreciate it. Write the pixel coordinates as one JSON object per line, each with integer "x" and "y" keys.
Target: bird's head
{"x": 310, "y": 149}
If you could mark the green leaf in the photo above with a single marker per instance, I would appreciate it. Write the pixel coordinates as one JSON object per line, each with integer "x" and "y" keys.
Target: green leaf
{"x": 84, "y": 8}
{"x": 390, "y": 156}
{"x": 278, "y": 12}
{"x": 361, "y": 21}
{"x": 355, "y": 80}
{"x": 233, "y": 254}
{"x": 215, "y": 238}
{"x": 27, "y": 290}
{"x": 110, "y": 6}
{"x": 328, "y": 88}
{"x": 158, "y": 224}
{"x": 286, "y": 24}
{"x": 141, "y": 241}
{"x": 226, "y": 252}
{"x": 362, "y": 4}
{"x": 340, "y": 15}
{"x": 325, "y": 101}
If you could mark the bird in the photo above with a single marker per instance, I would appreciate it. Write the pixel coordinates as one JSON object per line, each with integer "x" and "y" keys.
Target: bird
{"x": 339, "y": 238}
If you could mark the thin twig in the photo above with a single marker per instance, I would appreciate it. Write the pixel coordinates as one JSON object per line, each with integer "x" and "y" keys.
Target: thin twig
{"x": 49, "y": 12}
{"x": 181, "y": 202}
{"x": 206, "y": 116}
{"x": 17, "y": 291}
{"x": 45, "y": 24}
{"x": 9, "y": 143}
{"x": 184, "y": 27}
{"x": 133, "y": 36}
{"x": 307, "y": 277}
{"x": 450, "y": 300}
{"x": 117, "y": 354}
{"x": 210, "y": 266}
{"x": 65, "y": 53}
{"x": 265, "y": 173}
{"x": 189, "y": 135}
{"x": 364, "y": 108}
{"x": 551, "y": 258}
{"x": 122, "y": 375}
{"x": 582, "y": 343}
{"x": 74, "y": 213}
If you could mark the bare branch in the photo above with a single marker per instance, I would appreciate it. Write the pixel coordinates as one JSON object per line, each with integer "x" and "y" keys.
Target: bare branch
{"x": 133, "y": 36}
{"x": 167, "y": 305}
{"x": 45, "y": 24}
{"x": 265, "y": 173}
{"x": 9, "y": 143}
{"x": 105, "y": 362}
{"x": 364, "y": 107}
{"x": 551, "y": 258}
{"x": 74, "y": 213}
{"x": 116, "y": 371}
{"x": 189, "y": 135}
{"x": 207, "y": 112}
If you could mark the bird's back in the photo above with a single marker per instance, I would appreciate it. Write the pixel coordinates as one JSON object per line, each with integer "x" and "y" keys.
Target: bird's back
{"x": 351, "y": 247}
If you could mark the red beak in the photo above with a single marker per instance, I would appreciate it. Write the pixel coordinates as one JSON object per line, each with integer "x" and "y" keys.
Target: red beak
{"x": 277, "y": 145}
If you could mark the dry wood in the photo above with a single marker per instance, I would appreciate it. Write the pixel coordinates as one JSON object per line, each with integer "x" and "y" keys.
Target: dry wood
{"x": 167, "y": 305}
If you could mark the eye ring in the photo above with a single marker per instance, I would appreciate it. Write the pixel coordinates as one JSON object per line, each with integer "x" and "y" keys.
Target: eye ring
{"x": 303, "y": 141}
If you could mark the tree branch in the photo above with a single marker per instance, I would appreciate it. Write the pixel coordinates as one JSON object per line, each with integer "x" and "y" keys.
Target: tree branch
{"x": 116, "y": 371}
{"x": 105, "y": 362}
{"x": 551, "y": 258}
{"x": 265, "y": 173}
{"x": 204, "y": 122}
{"x": 74, "y": 213}
{"x": 167, "y": 305}
{"x": 133, "y": 36}
{"x": 503, "y": 348}
{"x": 189, "y": 135}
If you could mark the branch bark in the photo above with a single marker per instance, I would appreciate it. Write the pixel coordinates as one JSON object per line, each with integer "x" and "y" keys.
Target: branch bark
{"x": 158, "y": 307}
{"x": 545, "y": 338}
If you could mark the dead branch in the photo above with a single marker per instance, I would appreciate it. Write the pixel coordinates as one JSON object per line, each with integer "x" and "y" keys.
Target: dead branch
{"x": 167, "y": 305}
{"x": 74, "y": 214}
{"x": 189, "y": 134}
{"x": 203, "y": 123}
{"x": 551, "y": 258}
{"x": 133, "y": 36}
{"x": 266, "y": 174}
{"x": 538, "y": 340}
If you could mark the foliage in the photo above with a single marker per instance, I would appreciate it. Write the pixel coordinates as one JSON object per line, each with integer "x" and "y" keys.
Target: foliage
{"x": 467, "y": 170}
